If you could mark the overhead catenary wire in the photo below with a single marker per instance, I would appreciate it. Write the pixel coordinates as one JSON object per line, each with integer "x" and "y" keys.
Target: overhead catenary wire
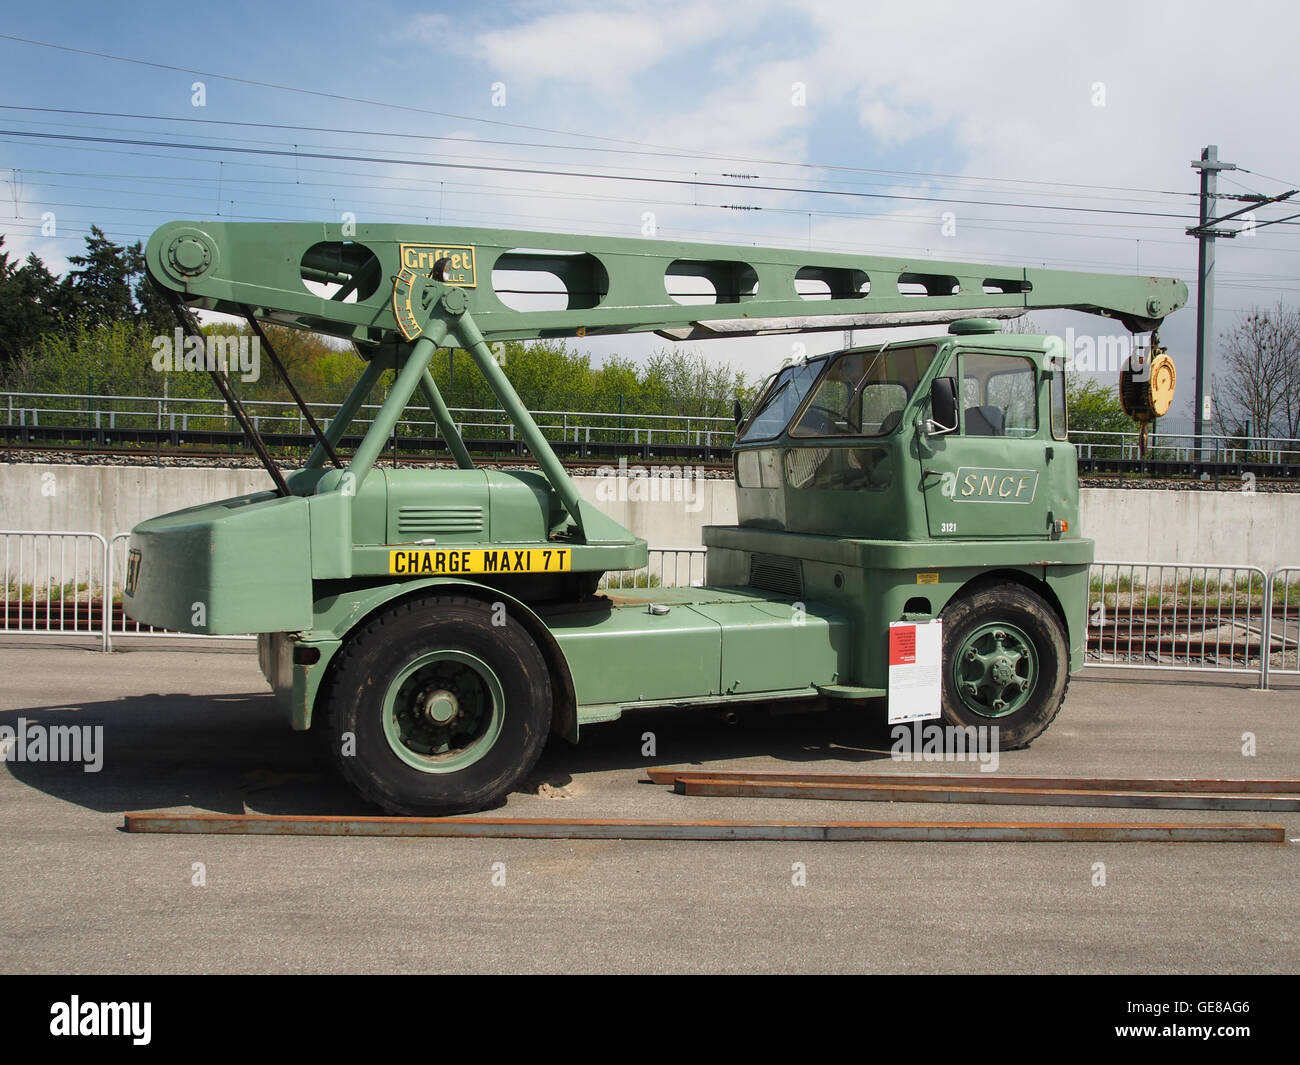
{"x": 402, "y": 210}
{"x": 480, "y": 142}
{"x": 932, "y": 199}
{"x": 590, "y": 175}
{"x": 499, "y": 122}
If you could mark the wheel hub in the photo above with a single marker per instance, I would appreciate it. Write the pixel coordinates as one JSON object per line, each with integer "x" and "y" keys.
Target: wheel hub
{"x": 995, "y": 670}
{"x": 443, "y": 711}
{"x": 438, "y": 705}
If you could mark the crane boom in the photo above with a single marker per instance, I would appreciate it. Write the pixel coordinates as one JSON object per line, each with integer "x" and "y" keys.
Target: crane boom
{"x": 351, "y": 281}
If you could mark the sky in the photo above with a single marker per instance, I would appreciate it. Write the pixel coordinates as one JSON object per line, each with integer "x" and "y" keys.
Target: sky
{"x": 1053, "y": 134}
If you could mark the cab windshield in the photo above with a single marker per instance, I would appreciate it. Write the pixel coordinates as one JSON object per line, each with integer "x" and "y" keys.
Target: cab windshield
{"x": 864, "y": 393}
{"x": 780, "y": 400}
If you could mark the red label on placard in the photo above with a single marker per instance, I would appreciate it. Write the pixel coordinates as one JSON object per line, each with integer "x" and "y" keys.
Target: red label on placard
{"x": 902, "y": 645}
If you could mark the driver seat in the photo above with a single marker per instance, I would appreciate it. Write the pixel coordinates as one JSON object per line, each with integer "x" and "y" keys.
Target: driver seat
{"x": 984, "y": 421}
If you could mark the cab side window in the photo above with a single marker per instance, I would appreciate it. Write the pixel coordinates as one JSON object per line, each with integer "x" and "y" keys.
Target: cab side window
{"x": 999, "y": 396}
{"x": 882, "y": 407}
{"x": 1058, "y": 405}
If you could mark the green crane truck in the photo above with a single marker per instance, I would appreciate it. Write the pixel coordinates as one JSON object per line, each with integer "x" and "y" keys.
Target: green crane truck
{"x": 441, "y": 623}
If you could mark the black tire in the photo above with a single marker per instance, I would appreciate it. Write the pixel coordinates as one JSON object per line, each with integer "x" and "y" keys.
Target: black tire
{"x": 1018, "y": 613}
{"x": 467, "y": 721}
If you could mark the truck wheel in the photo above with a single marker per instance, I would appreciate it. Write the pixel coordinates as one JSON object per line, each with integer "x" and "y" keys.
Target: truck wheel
{"x": 434, "y": 709}
{"x": 1005, "y": 663}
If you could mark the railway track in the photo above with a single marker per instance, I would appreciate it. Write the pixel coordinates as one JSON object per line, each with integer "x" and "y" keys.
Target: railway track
{"x": 215, "y": 456}
{"x": 716, "y": 459}
{"x": 1208, "y": 633}
{"x": 179, "y": 443}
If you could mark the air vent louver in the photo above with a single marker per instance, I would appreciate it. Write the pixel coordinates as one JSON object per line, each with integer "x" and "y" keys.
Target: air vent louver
{"x": 427, "y": 521}
{"x": 775, "y": 573}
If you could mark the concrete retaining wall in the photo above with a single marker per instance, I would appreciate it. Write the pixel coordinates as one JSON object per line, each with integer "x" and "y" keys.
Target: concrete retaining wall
{"x": 1133, "y": 525}
{"x": 1128, "y": 524}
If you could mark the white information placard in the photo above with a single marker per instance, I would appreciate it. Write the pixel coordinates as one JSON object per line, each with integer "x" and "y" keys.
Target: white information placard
{"x": 915, "y": 670}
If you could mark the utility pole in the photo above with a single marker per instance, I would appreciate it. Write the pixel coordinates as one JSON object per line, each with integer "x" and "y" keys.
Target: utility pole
{"x": 1209, "y": 166}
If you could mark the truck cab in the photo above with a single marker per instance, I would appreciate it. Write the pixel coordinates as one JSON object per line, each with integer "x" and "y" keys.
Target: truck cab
{"x": 919, "y": 481}
{"x": 849, "y": 444}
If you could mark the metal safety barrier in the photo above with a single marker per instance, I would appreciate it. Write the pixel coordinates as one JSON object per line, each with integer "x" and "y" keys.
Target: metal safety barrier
{"x": 53, "y": 584}
{"x": 1284, "y": 623}
{"x": 117, "y": 623}
{"x": 668, "y": 568}
{"x": 1186, "y": 447}
{"x": 1179, "y": 615}
{"x": 117, "y": 416}
{"x": 664, "y": 569}
{"x": 70, "y": 584}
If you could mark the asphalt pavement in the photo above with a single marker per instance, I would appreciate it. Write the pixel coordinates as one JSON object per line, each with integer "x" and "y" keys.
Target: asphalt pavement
{"x": 191, "y": 728}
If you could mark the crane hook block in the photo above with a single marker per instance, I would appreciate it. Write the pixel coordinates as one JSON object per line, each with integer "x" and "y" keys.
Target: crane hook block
{"x": 1148, "y": 395}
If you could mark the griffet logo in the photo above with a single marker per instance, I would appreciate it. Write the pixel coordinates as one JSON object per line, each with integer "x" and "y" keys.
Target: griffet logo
{"x": 980, "y": 484}
{"x": 457, "y": 260}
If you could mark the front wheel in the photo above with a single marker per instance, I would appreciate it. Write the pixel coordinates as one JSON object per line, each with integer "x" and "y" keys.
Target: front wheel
{"x": 438, "y": 705}
{"x": 1006, "y": 663}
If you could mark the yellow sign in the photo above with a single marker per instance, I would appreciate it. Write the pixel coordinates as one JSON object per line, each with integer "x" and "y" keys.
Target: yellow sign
{"x": 457, "y": 262}
{"x": 927, "y": 578}
{"x": 426, "y": 562}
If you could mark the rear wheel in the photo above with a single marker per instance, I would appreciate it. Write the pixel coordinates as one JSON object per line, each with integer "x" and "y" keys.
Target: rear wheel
{"x": 438, "y": 705}
{"x": 1006, "y": 663}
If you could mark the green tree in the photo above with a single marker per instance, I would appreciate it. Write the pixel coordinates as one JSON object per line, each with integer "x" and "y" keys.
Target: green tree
{"x": 548, "y": 377}
{"x": 155, "y": 309}
{"x": 1094, "y": 407}
{"x": 321, "y": 368}
{"x": 114, "y": 356}
{"x": 102, "y": 288}
{"x": 30, "y": 305}
{"x": 615, "y": 382}
{"x": 685, "y": 383}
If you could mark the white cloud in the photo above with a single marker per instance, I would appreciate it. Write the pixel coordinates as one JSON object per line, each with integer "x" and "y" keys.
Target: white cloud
{"x": 601, "y": 49}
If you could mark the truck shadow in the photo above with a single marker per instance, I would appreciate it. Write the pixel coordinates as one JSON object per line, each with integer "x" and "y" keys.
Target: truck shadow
{"x": 645, "y": 739}
{"x": 235, "y": 754}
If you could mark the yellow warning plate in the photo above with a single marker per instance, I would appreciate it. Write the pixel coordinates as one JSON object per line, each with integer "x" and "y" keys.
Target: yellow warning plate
{"x": 424, "y": 561}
